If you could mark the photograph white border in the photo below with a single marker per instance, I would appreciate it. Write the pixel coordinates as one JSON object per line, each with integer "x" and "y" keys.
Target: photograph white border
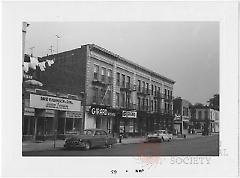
{"x": 14, "y": 13}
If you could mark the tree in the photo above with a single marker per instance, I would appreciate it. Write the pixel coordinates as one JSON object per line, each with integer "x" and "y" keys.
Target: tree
{"x": 214, "y": 102}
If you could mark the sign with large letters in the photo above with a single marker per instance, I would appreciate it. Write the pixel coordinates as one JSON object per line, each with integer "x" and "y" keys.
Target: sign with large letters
{"x": 129, "y": 114}
{"x": 56, "y": 103}
{"x": 101, "y": 111}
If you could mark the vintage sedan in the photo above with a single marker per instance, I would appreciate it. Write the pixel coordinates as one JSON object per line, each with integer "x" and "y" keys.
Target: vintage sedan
{"x": 159, "y": 135}
{"x": 90, "y": 138}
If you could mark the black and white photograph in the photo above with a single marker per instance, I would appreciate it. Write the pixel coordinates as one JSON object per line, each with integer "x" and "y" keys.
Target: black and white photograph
{"x": 89, "y": 100}
{"x": 120, "y": 88}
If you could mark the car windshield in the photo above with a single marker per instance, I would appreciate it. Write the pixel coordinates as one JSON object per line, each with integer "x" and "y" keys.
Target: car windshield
{"x": 88, "y": 132}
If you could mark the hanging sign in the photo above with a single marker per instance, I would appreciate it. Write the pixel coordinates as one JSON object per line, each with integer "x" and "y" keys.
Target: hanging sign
{"x": 129, "y": 114}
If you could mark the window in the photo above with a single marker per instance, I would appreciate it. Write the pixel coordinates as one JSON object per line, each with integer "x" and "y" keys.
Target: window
{"x": 103, "y": 74}
{"x": 152, "y": 90}
{"x": 118, "y": 99}
{"x": 139, "y": 103}
{"x": 159, "y": 90}
{"x": 155, "y": 105}
{"x": 143, "y": 104}
{"x": 103, "y": 133}
{"x": 143, "y": 86}
{"x": 165, "y": 107}
{"x": 165, "y": 93}
{"x": 109, "y": 74}
{"x": 95, "y": 95}
{"x": 122, "y": 99}
{"x": 155, "y": 90}
{"x": 206, "y": 114}
{"x": 168, "y": 93}
{"x": 147, "y": 106}
{"x": 118, "y": 79}
{"x": 95, "y": 72}
{"x": 199, "y": 114}
{"x": 147, "y": 87}
{"x": 151, "y": 105}
{"x": 139, "y": 85}
{"x": 123, "y": 80}
{"x": 128, "y": 81}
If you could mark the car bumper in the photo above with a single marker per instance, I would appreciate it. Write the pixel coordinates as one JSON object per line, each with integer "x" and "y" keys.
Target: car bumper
{"x": 153, "y": 139}
{"x": 74, "y": 145}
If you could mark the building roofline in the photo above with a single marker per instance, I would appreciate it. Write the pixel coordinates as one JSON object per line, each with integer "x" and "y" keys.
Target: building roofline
{"x": 130, "y": 62}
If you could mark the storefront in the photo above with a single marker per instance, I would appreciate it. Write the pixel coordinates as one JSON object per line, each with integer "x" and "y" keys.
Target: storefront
{"x": 46, "y": 117}
{"x": 101, "y": 117}
{"x": 127, "y": 122}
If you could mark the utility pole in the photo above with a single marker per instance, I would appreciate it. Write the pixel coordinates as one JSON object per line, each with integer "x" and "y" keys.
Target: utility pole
{"x": 51, "y": 49}
{"x": 56, "y": 114}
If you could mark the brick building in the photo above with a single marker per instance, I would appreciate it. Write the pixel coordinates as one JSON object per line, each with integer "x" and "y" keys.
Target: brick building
{"x": 119, "y": 95}
{"x": 181, "y": 110}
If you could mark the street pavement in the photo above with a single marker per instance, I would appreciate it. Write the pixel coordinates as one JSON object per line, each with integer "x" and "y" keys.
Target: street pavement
{"x": 193, "y": 145}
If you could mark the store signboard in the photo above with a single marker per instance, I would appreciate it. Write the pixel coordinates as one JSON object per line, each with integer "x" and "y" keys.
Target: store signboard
{"x": 55, "y": 103}
{"x": 73, "y": 114}
{"x": 29, "y": 111}
{"x": 101, "y": 111}
{"x": 129, "y": 114}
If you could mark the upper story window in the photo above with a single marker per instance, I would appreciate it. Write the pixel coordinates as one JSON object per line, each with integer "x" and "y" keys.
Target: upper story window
{"x": 199, "y": 114}
{"x": 123, "y": 80}
{"x": 155, "y": 105}
{"x": 139, "y": 85}
{"x": 118, "y": 79}
{"x": 159, "y": 90}
{"x": 143, "y": 86}
{"x": 147, "y": 87}
{"x": 103, "y": 74}
{"x": 147, "y": 105}
{"x": 155, "y": 90}
{"x": 128, "y": 81}
{"x": 109, "y": 74}
{"x": 152, "y": 90}
{"x": 95, "y": 72}
{"x": 139, "y": 103}
{"x": 165, "y": 92}
{"x": 152, "y": 105}
{"x": 117, "y": 99}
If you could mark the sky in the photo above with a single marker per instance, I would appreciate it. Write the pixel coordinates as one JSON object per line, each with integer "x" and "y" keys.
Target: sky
{"x": 186, "y": 52}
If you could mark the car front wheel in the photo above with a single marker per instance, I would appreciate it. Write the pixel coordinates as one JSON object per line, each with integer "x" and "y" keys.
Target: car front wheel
{"x": 87, "y": 146}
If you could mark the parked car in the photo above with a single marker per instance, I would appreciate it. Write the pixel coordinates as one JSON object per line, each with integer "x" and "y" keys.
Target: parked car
{"x": 159, "y": 135}
{"x": 90, "y": 138}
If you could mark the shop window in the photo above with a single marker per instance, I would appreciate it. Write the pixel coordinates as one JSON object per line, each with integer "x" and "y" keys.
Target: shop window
{"x": 69, "y": 124}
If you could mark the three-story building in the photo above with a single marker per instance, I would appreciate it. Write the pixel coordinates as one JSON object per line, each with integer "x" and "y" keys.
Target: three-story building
{"x": 119, "y": 95}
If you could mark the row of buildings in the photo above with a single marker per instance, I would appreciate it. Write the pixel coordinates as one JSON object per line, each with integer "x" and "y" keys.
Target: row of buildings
{"x": 91, "y": 87}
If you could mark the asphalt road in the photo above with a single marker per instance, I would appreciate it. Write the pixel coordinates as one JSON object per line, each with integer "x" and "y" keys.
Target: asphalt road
{"x": 200, "y": 146}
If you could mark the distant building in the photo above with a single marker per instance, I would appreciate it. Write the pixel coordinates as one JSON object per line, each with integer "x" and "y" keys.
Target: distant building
{"x": 205, "y": 119}
{"x": 181, "y": 110}
{"x": 119, "y": 95}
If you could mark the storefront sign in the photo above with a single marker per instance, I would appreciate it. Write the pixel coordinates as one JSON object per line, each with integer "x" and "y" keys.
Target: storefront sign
{"x": 75, "y": 114}
{"x": 49, "y": 102}
{"x": 129, "y": 114}
{"x": 29, "y": 111}
{"x": 101, "y": 111}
